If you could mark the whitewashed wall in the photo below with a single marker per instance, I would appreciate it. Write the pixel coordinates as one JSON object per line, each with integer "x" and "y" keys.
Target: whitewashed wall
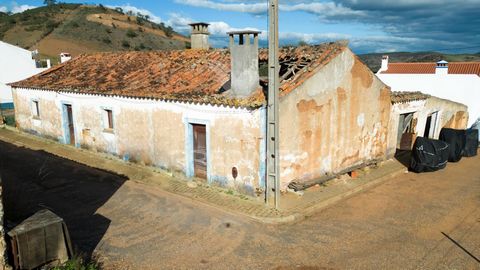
{"x": 154, "y": 132}
{"x": 464, "y": 89}
{"x": 15, "y": 64}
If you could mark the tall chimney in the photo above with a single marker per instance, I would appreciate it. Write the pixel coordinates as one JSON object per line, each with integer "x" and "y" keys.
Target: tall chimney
{"x": 199, "y": 36}
{"x": 442, "y": 67}
{"x": 384, "y": 66}
{"x": 244, "y": 62}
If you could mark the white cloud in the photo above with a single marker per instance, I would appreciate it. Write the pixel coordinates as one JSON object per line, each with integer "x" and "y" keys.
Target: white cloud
{"x": 311, "y": 38}
{"x": 220, "y": 28}
{"x": 329, "y": 9}
{"x": 16, "y": 8}
{"x": 240, "y": 7}
{"x": 179, "y": 22}
{"x": 3, "y": 9}
{"x": 218, "y": 32}
{"x": 324, "y": 9}
{"x": 154, "y": 18}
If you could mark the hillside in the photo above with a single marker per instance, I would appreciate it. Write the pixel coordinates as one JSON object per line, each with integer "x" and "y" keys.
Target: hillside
{"x": 374, "y": 60}
{"x": 77, "y": 29}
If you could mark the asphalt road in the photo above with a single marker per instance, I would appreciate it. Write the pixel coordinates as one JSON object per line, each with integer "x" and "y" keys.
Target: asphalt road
{"x": 413, "y": 221}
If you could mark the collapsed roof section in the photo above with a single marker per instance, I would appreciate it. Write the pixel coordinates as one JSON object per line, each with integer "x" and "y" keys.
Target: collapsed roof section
{"x": 197, "y": 76}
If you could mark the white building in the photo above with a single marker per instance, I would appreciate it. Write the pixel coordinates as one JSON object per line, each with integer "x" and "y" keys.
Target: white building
{"x": 15, "y": 64}
{"x": 459, "y": 81}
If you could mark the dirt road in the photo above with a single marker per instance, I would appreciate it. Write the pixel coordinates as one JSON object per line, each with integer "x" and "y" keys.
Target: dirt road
{"x": 426, "y": 221}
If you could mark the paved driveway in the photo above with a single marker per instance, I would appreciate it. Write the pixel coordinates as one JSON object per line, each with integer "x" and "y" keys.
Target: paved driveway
{"x": 414, "y": 221}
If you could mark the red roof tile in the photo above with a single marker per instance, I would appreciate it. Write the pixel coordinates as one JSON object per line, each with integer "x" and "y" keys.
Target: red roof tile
{"x": 429, "y": 68}
{"x": 187, "y": 75}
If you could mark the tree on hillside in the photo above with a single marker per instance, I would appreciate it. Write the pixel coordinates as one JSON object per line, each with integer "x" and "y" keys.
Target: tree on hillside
{"x": 49, "y": 2}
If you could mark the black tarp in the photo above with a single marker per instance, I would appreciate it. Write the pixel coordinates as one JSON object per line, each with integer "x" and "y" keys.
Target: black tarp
{"x": 456, "y": 142}
{"x": 476, "y": 126}
{"x": 471, "y": 143}
{"x": 428, "y": 155}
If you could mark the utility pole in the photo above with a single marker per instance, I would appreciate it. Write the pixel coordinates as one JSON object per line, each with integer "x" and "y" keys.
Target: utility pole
{"x": 273, "y": 165}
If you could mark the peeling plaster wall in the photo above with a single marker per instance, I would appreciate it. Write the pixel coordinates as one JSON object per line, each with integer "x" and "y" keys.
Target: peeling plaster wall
{"x": 450, "y": 115}
{"x": 336, "y": 119}
{"x": 155, "y": 132}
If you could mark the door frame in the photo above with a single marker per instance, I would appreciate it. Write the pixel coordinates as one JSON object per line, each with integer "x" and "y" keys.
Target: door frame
{"x": 66, "y": 129}
{"x": 434, "y": 123}
{"x": 189, "y": 155}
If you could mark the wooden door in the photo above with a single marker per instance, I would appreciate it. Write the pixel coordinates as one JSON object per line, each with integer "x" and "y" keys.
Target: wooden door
{"x": 200, "y": 151}
{"x": 70, "y": 128}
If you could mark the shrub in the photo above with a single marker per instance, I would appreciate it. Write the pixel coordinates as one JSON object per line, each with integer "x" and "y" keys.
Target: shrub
{"x": 77, "y": 264}
{"x": 125, "y": 44}
{"x": 75, "y": 25}
{"x": 139, "y": 21}
{"x": 106, "y": 40}
{"x": 169, "y": 31}
{"x": 131, "y": 33}
{"x": 119, "y": 10}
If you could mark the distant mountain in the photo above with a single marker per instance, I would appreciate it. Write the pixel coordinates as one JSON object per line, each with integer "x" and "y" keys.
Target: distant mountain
{"x": 77, "y": 29}
{"x": 374, "y": 60}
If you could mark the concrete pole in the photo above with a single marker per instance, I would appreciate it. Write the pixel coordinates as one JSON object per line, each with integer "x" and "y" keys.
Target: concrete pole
{"x": 273, "y": 165}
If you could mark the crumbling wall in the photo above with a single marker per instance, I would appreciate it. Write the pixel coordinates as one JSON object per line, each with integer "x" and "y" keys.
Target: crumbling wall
{"x": 452, "y": 114}
{"x": 155, "y": 133}
{"x": 238, "y": 141}
{"x": 414, "y": 107}
{"x": 336, "y": 119}
{"x": 48, "y": 124}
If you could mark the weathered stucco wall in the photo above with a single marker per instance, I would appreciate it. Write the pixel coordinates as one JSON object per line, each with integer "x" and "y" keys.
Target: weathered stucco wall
{"x": 154, "y": 133}
{"x": 24, "y": 114}
{"x": 336, "y": 119}
{"x": 450, "y": 115}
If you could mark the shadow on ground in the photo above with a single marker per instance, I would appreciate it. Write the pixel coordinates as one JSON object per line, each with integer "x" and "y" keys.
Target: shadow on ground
{"x": 404, "y": 157}
{"x": 34, "y": 180}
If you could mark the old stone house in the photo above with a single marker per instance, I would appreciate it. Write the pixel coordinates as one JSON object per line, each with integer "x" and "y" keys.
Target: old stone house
{"x": 202, "y": 112}
{"x": 416, "y": 114}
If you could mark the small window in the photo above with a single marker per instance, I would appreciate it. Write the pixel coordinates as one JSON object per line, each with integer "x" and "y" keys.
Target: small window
{"x": 35, "y": 108}
{"x": 108, "y": 119}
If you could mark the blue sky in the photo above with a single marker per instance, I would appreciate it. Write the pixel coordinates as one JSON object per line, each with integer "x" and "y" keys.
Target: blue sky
{"x": 370, "y": 25}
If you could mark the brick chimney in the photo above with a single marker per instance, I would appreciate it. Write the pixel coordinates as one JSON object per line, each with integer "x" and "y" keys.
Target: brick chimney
{"x": 199, "y": 36}
{"x": 244, "y": 62}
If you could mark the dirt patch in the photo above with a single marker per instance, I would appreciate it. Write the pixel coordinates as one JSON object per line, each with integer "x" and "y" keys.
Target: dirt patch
{"x": 128, "y": 22}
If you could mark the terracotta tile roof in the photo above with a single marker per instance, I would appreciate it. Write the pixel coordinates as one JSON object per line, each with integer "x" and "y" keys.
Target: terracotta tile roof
{"x": 403, "y": 97}
{"x": 188, "y": 75}
{"x": 429, "y": 68}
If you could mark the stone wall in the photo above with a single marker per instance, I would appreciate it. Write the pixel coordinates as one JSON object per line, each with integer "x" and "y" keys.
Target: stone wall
{"x": 336, "y": 119}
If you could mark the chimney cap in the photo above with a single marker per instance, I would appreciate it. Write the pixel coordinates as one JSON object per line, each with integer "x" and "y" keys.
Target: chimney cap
{"x": 199, "y": 23}
{"x": 442, "y": 62}
{"x": 244, "y": 32}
